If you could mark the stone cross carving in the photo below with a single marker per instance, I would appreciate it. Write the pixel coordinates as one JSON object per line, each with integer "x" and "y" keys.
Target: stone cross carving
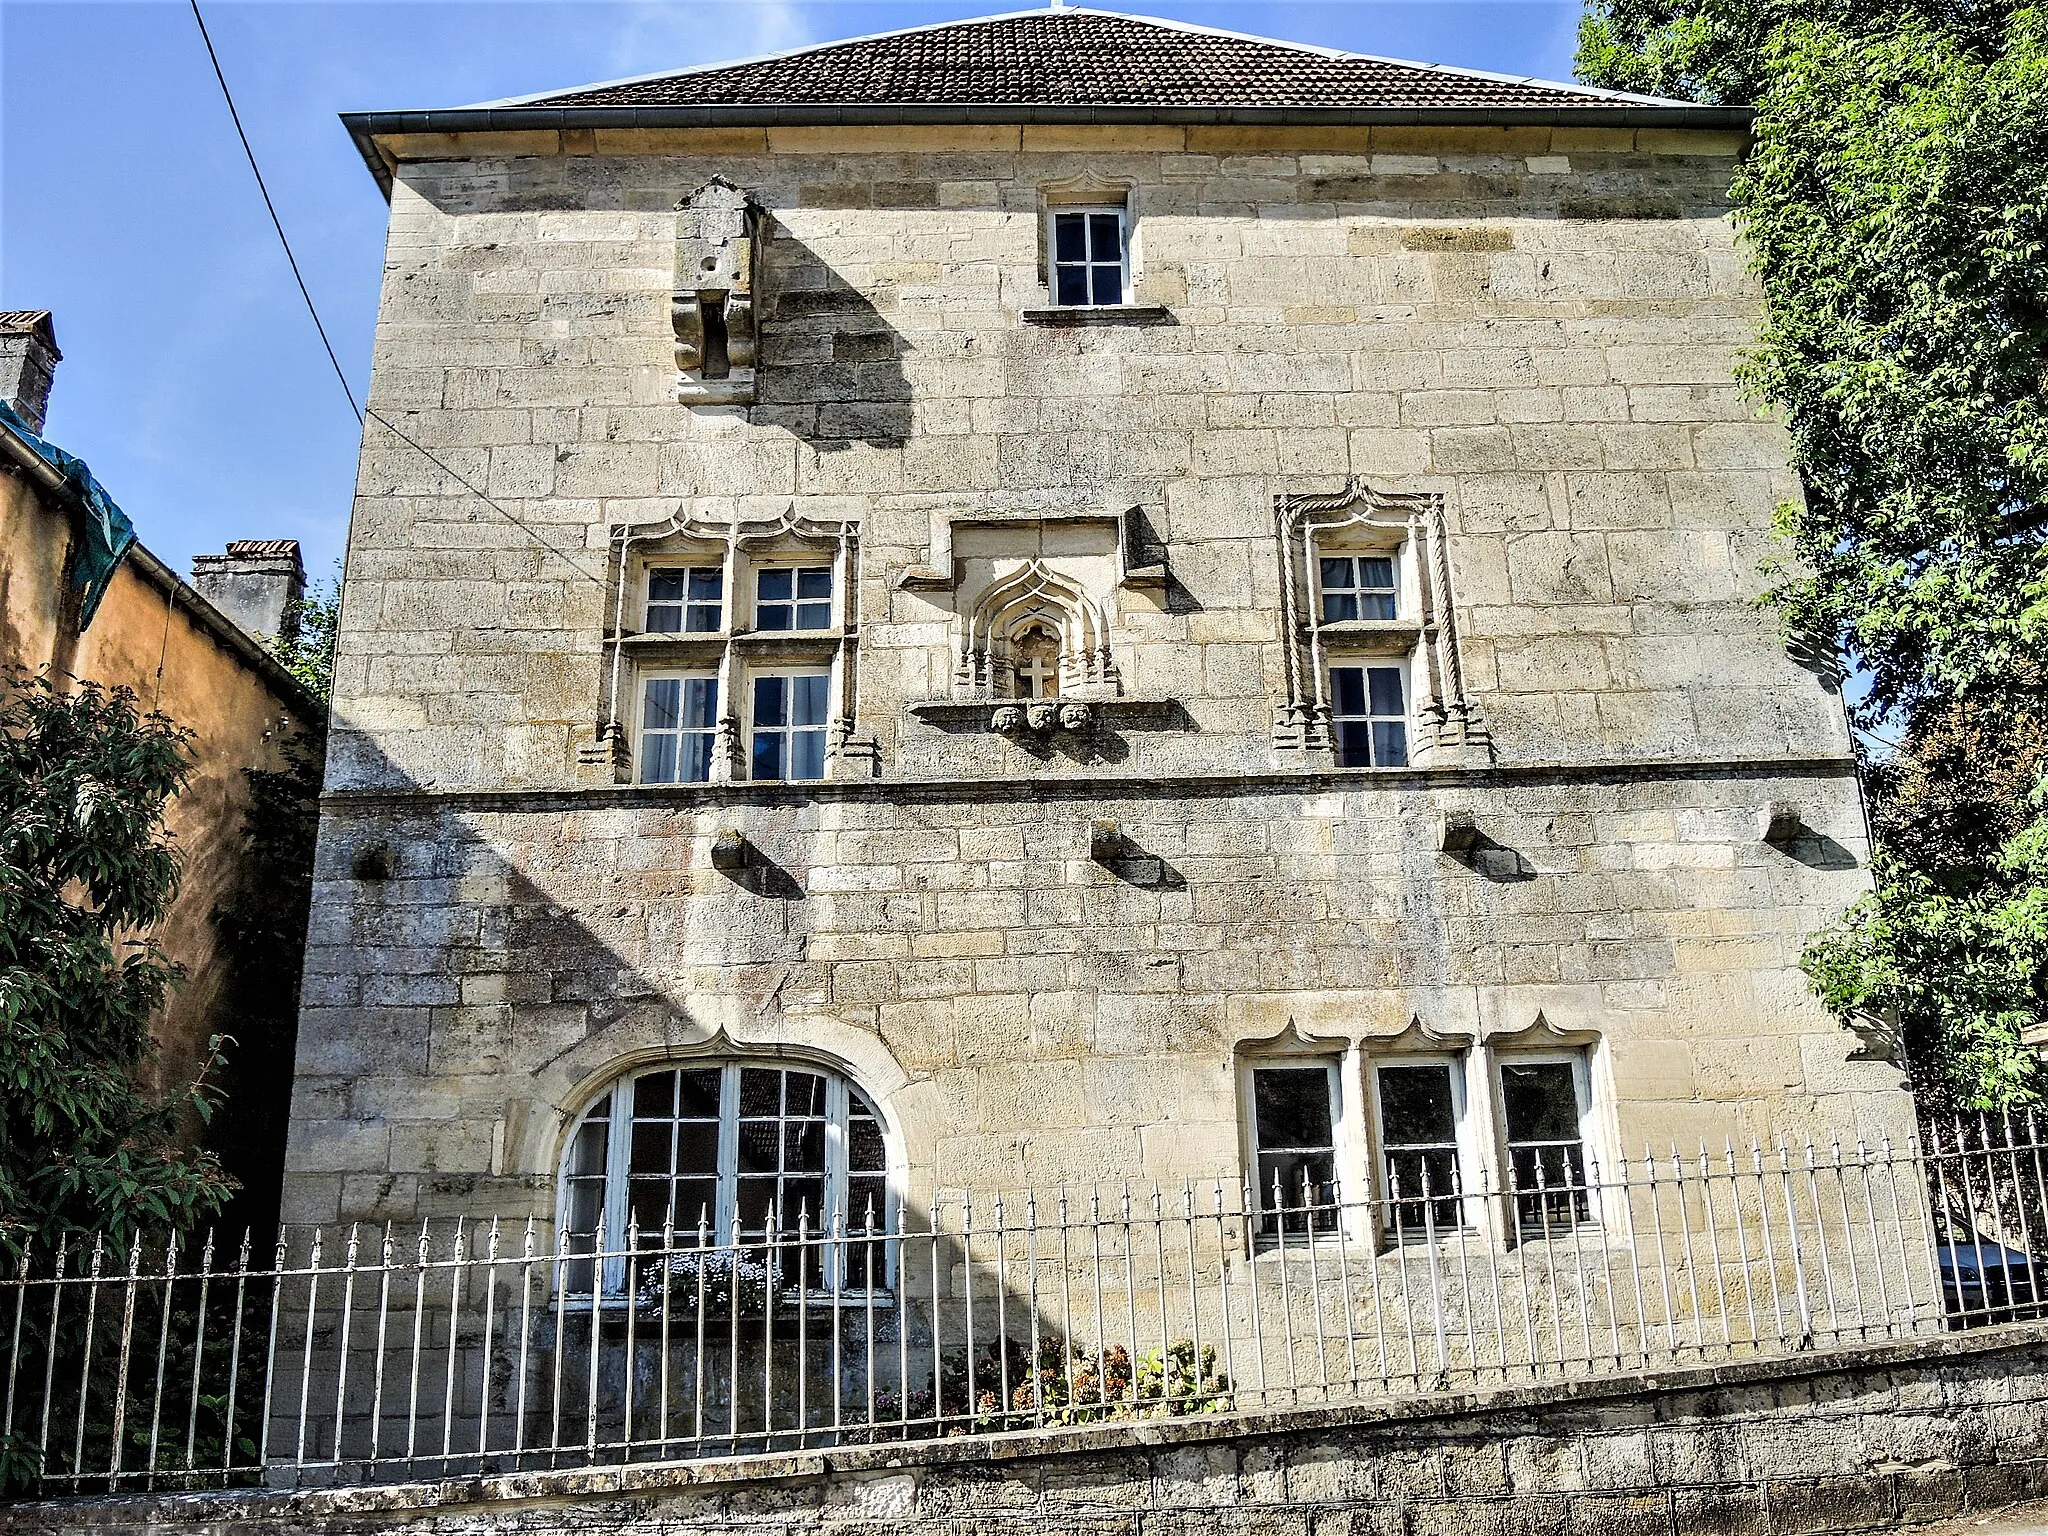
{"x": 712, "y": 307}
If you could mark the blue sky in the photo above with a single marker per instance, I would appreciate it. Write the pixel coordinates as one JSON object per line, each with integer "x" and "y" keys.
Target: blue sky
{"x": 192, "y": 380}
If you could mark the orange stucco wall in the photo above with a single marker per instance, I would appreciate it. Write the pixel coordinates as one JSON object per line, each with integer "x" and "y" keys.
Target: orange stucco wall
{"x": 235, "y": 713}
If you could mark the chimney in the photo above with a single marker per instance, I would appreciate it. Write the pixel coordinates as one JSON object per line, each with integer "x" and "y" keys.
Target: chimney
{"x": 257, "y": 583}
{"x": 28, "y": 361}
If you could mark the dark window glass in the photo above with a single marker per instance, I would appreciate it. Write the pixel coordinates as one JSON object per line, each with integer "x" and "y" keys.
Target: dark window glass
{"x": 788, "y": 597}
{"x": 1369, "y": 717}
{"x": 1357, "y": 587}
{"x": 789, "y": 726}
{"x": 685, "y": 599}
{"x": 1419, "y": 1149}
{"x": 1293, "y": 1123}
{"x": 678, "y": 726}
{"x": 1546, "y": 1148}
{"x": 1088, "y": 258}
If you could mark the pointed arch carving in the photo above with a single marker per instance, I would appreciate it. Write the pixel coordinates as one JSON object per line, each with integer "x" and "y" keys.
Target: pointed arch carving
{"x": 1035, "y": 597}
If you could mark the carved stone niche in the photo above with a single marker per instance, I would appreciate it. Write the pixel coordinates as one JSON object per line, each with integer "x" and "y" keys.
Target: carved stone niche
{"x": 712, "y": 308}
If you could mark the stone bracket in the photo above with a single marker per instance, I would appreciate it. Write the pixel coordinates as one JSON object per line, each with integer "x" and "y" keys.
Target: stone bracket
{"x": 711, "y": 308}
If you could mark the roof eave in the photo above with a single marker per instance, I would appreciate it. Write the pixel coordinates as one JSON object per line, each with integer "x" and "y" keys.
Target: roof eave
{"x": 367, "y": 127}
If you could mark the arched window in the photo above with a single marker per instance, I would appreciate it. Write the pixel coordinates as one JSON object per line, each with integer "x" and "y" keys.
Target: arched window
{"x": 729, "y": 1155}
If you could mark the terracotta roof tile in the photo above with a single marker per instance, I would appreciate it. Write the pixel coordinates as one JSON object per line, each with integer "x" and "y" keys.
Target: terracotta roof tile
{"x": 1074, "y": 58}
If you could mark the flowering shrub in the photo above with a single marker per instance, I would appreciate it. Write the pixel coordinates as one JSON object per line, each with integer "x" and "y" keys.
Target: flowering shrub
{"x": 689, "y": 1280}
{"x": 1066, "y": 1384}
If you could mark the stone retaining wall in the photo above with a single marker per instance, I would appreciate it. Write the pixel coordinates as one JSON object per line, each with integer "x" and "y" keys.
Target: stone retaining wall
{"x": 1879, "y": 1439}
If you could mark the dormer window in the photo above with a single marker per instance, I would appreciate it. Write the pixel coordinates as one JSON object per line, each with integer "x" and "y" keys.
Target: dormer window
{"x": 1090, "y": 257}
{"x": 793, "y": 597}
{"x": 1358, "y": 587}
{"x": 686, "y": 600}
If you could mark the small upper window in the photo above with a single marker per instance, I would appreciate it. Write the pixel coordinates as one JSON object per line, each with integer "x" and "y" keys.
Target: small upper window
{"x": 1294, "y": 1127}
{"x": 1090, "y": 257}
{"x": 687, "y": 600}
{"x": 1420, "y": 1109}
{"x": 1543, "y": 1105}
{"x": 1358, "y": 587}
{"x": 1369, "y": 715}
{"x": 793, "y": 597}
{"x": 678, "y": 728}
{"x": 789, "y": 725}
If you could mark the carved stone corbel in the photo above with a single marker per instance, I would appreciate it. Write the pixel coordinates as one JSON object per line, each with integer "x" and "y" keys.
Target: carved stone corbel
{"x": 712, "y": 306}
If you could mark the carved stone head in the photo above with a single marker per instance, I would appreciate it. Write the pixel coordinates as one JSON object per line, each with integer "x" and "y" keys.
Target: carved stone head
{"x": 1042, "y": 716}
{"x": 1076, "y": 716}
{"x": 1007, "y": 721}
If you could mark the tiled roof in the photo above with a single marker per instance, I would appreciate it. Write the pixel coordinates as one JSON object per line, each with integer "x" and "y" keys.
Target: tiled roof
{"x": 1075, "y": 58}
{"x": 29, "y": 322}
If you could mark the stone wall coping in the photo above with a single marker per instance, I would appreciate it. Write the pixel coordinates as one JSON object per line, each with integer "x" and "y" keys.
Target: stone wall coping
{"x": 1086, "y": 785}
{"x": 541, "y": 1488}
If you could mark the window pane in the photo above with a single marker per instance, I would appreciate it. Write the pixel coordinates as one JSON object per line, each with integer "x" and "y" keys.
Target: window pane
{"x": 813, "y": 615}
{"x": 1071, "y": 285}
{"x": 814, "y": 582}
{"x": 773, "y": 616}
{"x": 697, "y": 1146}
{"x": 1376, "y": 605}
{"x": 1384, "y": 685}
{"x": 1106, "y": 235}
{"x": 1416, "y": 1105}
{"x": 1340, "y": 607}
{"x": 810, "y": 695}
{"x": 760, "y": 1147}
{"x": 1375, "y": 571}
{"x": 658, "y": 760}
{"x": 699, "y": 703}
{"x": 664, "y": 704}
{"x": 1109, "y": 285}
{"x": 654, "y": 1095}
{"x": 698, "y": 1089}
{"x": 1541, "y": 1100}
{"x": 653, "y": 1146}
{"x": 807, "y": 754}
{"x": 696, "y": 1200}
{"x": 1069, "y": 237}
{"x": 866, "y": 1198}
{"x": 767, "y": 755}
{"x": 693, "y": 762}
{"x": 1293, "y": 1180}
{"x": 663, "y": 620}
{"x": 593, "y": 1136}
{"x": 1347, "y": 684}
{"x": 586, "y": 1204}
{"x": 760, "y": 1091}
{"x": 803, "y": 1147}
{"x": 775, "y": 584}
{"x": 707, "y": 585}
{"x": 1336, "y": 573}
{"x": 703, "y": 619}
{"x": 1389, "y": 744}
{"x": 648, "y": 1205}
{"x": 1354, "y": 744}
{"x": 864, "y": 1145}
{"x": 771, "y": 701}
{"x": 1291, "y": 1106}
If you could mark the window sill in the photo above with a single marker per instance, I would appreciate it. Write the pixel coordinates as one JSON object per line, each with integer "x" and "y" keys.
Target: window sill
{"x": 1369, "y": 631}
{"x": 1099, "y": 314}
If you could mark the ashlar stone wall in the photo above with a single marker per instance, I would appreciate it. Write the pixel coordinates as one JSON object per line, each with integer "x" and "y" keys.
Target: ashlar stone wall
{"x": 1535, "y": 325}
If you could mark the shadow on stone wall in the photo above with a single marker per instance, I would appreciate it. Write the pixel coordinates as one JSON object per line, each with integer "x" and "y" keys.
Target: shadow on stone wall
{"x": 831, "y": 367}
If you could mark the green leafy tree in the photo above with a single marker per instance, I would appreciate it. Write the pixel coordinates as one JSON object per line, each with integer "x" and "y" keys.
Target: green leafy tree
{"x": 307, "y": 645}
{"x": 86, "y": 868}
{"x": 1896, "y": 204}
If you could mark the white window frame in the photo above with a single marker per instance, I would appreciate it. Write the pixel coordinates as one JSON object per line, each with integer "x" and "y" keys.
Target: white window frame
{"x": 1053, "y": 213}
{"x": 1340, "y": 1153}
{"x": 619, "y": 1159}
{"x": 1582, "y": 1089}
{"x": 1399, "y": 664}
{"x": 1456, "y": 1064}
{"x": 795, "y": 565}
{"x": 684, "y": 675}
{"x": 787, "y": 731}
{"x": 685, "y": 564}
{"x": 1391, "y": 554}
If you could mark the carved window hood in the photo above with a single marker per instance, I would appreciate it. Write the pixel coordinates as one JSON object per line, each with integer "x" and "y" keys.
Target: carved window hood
{"x": 1141, "y": 557}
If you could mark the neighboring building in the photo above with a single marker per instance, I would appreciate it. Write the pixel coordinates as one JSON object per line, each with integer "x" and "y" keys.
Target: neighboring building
{"x": 80, "y": 599}
{"x": 1063, "y": 599}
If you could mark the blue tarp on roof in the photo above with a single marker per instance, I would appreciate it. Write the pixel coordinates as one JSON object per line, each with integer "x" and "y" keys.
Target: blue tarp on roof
{"x": 106, "y": 529}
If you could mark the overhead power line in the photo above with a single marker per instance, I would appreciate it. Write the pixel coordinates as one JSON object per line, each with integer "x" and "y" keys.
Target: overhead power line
{"x": 313, "y": 310}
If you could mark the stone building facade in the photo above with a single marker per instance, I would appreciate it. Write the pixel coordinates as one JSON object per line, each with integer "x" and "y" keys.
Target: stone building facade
{"x": 1052, "y": 601}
